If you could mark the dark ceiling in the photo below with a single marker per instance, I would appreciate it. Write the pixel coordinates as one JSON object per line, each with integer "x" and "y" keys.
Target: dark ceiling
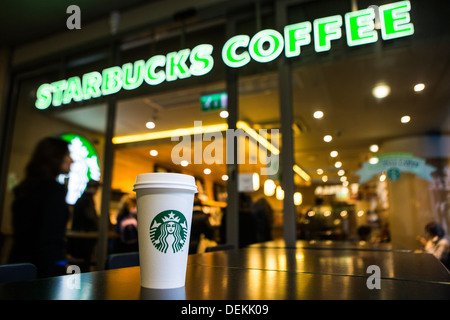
{"x": 24, "y": 21}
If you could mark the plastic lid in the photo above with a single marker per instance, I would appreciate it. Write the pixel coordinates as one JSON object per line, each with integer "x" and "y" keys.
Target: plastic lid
{"x": 165, "y": 180}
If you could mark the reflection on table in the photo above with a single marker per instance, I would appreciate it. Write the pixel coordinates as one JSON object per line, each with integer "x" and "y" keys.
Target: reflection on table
{"x": 260, "y": 272}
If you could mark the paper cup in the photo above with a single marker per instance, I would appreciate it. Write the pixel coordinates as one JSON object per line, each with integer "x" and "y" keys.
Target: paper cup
{"x": 164, "y": 206}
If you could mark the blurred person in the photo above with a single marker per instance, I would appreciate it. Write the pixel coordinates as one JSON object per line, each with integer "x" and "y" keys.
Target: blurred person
{"x": 263, "y": 215}
{"x": 40, "y": 212}
{"x": 436, "y": 243}
{"x": 200, "y": 225}
{"x": 126, "y": 226}
{"x": 364, "y": 233}
{"x": 247, "y": 222}
{"x": 85, "y": 219}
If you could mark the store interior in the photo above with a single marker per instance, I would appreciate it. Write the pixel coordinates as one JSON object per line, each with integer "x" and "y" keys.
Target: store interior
{"x": 382, "y": 99}
{"x": 349, "y": 106}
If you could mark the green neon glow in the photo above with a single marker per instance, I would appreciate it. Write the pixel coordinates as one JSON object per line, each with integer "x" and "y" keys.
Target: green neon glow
{"x": 58, "y": 87}
{"x": 201, "y": 60}
{"x": 151, "y": 76}
{"x": 296, "y": 35}
{"x": 91, "y": 85}
{"x": 85, "y": 167}
{"x": 360, "y": 27}
{"x": 133, "y": 76}
{"x": 44, "y": 96}
{"x": 395, "y": 20}
{"x": 112, "y": 80}
{"x": 176, "y": 67}
{"x": 73, "y": 90}
{"x": 325, "y": 30}
{"x": 275, "y": 41}
{"x": 239, "y": 50}
{"x": 229, "y": 55}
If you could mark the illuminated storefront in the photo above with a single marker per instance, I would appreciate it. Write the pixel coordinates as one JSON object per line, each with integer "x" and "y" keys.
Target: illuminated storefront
{"x": 296, "y": 79}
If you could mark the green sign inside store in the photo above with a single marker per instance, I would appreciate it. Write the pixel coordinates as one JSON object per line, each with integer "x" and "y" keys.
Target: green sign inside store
{"x": 85, "y": 166}
{"x": 264, "y": 46}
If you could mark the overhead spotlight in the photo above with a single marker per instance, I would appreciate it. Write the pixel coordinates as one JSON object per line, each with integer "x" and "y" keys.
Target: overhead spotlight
{"x": 381, "y": 91}
{"x": 223, "y": 114}
{"x": 279, "y": 193}
{"x": 298, "y": 198}
{"x": 405, "y": 119}
{"x": 318, "y": 114}
{"x": 419, "y": 87}
{"x": 150, "y": 125}
{"x": 269, "y": 187}
{"x": 374, "y": 148}
{"x": 327, "y": 138}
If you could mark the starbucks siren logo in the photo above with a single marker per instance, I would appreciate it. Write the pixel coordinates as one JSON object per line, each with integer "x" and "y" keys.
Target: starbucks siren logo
{"x": 169, "y": 229}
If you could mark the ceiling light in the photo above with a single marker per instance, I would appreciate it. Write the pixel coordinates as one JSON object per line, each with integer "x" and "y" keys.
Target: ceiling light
{"x": 373, "y": 160}
{"x": 333, "y": 154}
{"x": 225, "y": 177}
{"x": 298, "y": 198}
{"x": 302, "y": 173}
{"x": 150, "y": 125}
{"x": 153, "y": 153}
{"x": 169, "y": 133}
{"x": 405, "y": 119}
{"x": 318, "y": 114}
{"x": 319, "y": 171}
{"x": 262, "y": 141}
{"x": 338, "y": 164}
{"x": 279, "y": 193}
{"x": 374, "y": 148}
{"x": 325, "y": 178}
{"x": 341, "y": 172}
{"x": 269, "y": 187}
{"x": 184, "y": 163}
{"x": 223, "y": 114}
{"x": 327, "y": 138}
{"x": 207, "y": 171}
{"x": 381, "y": 91}
{"x": 419, "y": 87}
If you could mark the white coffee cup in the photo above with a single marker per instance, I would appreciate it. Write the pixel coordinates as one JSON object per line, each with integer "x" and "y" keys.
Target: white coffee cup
{"x": 164, "y": 206}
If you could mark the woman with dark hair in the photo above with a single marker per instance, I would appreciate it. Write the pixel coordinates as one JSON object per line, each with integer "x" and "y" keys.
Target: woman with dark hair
{"x": 40, "y": 212}
{"x": 436, "y": 243}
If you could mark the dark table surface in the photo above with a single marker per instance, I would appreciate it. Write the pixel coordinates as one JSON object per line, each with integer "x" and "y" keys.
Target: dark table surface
{"x": 264, "y": 271}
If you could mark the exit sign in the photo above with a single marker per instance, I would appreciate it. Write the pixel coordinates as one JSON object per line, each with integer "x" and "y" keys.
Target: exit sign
{"x": 214, "y": 101}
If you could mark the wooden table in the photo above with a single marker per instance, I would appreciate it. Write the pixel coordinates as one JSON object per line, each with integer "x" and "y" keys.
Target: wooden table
{"x": 266, "y": 271}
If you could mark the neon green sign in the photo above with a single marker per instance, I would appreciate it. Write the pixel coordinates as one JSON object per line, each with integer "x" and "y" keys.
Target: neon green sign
{"x": 85, "y": 166}
{"x": 263, "y": 47}
{"x": 154, "y": 71}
